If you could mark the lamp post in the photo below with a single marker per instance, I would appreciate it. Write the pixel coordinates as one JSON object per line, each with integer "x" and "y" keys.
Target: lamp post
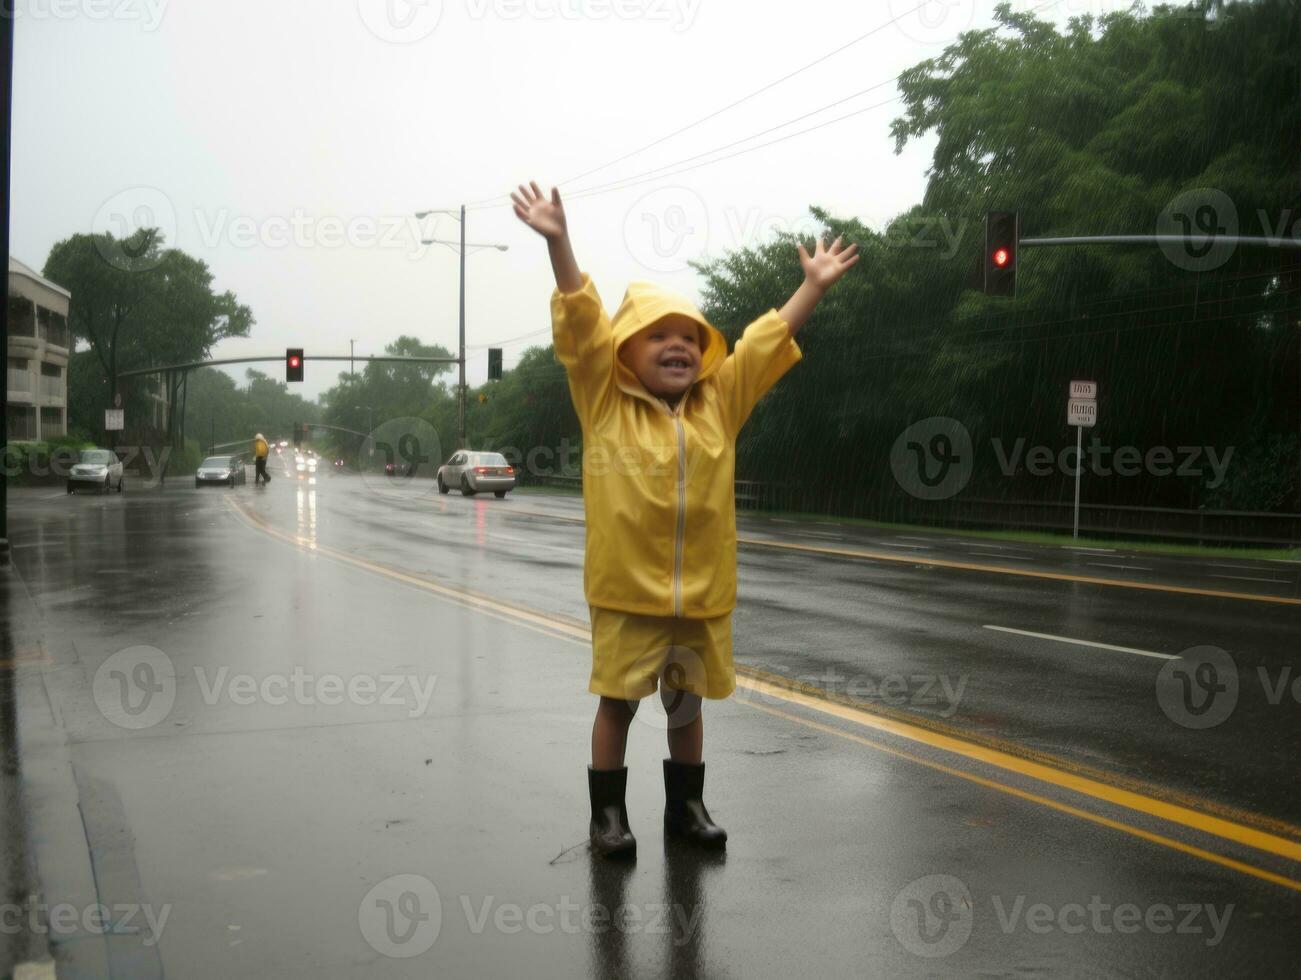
{"x": 461, "y": 247}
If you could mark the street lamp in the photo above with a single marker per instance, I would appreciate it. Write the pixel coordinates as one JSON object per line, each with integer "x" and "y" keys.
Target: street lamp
{"x": 459, "y": 216}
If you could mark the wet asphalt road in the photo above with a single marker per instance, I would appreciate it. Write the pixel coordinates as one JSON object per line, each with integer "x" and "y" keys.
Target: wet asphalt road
{"x": 430, "y": 819}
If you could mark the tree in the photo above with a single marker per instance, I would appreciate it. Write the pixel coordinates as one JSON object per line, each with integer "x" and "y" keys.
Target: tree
{"x": 138, "y": 304}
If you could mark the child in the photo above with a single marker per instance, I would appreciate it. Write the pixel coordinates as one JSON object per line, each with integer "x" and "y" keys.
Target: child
{"x": 661, "y": 402}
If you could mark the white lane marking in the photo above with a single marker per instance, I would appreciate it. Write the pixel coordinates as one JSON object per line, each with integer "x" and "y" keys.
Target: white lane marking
{"x": 1240, "y": 566}
{"x": 1083, "y": 643}
{"x": 919, "y": 547}
{"x": 1248, "y": 578}
{"x": 1100, "y": 551}
{"x": 986, "y": 554}
{"x": 781, "y": 520}
{"x": 1103, "y": 564}
{"x": 823, "y": 534}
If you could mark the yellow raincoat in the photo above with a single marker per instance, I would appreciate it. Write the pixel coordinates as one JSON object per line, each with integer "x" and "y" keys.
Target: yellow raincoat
{"x": 658, "y": 482}
{"x": 259, "y": 446}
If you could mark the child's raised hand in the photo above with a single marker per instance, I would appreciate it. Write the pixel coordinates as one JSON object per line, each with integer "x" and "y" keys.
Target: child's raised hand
{"x": 826, "y": 265}
{"x": 545, "y": 217}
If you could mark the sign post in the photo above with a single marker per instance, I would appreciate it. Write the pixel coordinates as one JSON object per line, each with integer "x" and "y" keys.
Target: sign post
{"x": 1081, "y": 412}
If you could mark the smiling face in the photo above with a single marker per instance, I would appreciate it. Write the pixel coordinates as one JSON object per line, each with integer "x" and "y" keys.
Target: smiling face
{"x": 665, "y": 356}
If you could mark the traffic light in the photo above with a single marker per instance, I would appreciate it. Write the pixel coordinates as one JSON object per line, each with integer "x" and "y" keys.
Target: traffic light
{"x": 1002, "y": 242}
{"x": 294, "y": 364}
{"x": 494, "y": 363}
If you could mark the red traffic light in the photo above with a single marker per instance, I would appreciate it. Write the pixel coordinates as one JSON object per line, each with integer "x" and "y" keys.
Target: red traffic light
{"x": 1001, "y": 257}
{"x": 294, "y": 364}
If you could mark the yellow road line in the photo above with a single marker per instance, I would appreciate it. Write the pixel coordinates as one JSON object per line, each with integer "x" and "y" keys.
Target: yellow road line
{"x": 1173, "y": 813}
{"x": 1147, "y": 835}
{"x": 979, "y": 567}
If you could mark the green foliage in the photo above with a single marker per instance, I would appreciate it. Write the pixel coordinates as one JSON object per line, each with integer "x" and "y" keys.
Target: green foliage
{"x": 136, "y": 304}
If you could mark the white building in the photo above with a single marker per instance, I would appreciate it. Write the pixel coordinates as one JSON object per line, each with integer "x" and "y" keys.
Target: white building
{"x": 39, "y": 344}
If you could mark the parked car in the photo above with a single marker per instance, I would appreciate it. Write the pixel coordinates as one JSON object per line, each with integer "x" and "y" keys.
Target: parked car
{"x": 472, "y": 472}
{"x": 98, "y": 468}
{"x": 220, "y": 469}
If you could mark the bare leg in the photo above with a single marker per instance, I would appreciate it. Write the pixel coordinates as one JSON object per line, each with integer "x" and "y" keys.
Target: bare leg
{"x": 686, "y": 732}
{"x": 610, "y": 732}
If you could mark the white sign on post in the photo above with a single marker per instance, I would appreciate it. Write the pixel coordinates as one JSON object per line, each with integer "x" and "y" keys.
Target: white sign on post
{"x": 113, "y": 419}
{"x": 1082, "y": 412}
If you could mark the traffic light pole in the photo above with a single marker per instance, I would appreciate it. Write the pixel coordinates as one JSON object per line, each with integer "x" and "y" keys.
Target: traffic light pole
{"x": 460, "y": 429}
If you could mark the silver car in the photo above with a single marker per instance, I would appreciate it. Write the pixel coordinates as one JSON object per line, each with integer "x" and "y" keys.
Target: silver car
{"x": 472, "y": 472}
{"x": 98, "y": 468}
{"x": 214, "y": 470}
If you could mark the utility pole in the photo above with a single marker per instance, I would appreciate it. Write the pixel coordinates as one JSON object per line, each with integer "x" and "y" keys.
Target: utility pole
{"x": 352, "y": 368}
{"x": 7, "y": 55}
{"x": 460, "y": 437}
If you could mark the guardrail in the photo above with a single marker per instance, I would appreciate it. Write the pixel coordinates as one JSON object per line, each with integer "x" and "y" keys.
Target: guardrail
{"x": 1211, "y": 527}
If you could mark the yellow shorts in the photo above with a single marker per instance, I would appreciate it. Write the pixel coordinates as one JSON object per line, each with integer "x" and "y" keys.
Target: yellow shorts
{"x": 630, "y": 653}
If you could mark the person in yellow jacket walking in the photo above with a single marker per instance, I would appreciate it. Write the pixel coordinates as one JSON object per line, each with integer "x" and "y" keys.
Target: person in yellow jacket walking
{"x": 260, "y": 450}
{"x": 661, "y": 402}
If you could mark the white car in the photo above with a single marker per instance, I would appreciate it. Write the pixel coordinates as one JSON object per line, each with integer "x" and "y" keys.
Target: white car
{"x": 472, "y": 472}
{"x": 98, "y": 468}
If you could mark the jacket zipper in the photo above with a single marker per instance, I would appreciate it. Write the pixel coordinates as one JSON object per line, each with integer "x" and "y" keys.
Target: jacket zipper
{"x": 679, "y": 540}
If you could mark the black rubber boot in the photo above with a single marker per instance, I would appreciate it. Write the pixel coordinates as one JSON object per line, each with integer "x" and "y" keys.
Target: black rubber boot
{"x": 684, "y": 808}
{"x": 609, "y": 830}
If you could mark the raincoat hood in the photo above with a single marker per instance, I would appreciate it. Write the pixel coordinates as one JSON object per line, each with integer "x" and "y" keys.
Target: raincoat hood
{"x": 643, "y": 304}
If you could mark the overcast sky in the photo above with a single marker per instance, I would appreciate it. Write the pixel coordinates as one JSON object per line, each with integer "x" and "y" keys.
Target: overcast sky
{"x": 288, "y": 143}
